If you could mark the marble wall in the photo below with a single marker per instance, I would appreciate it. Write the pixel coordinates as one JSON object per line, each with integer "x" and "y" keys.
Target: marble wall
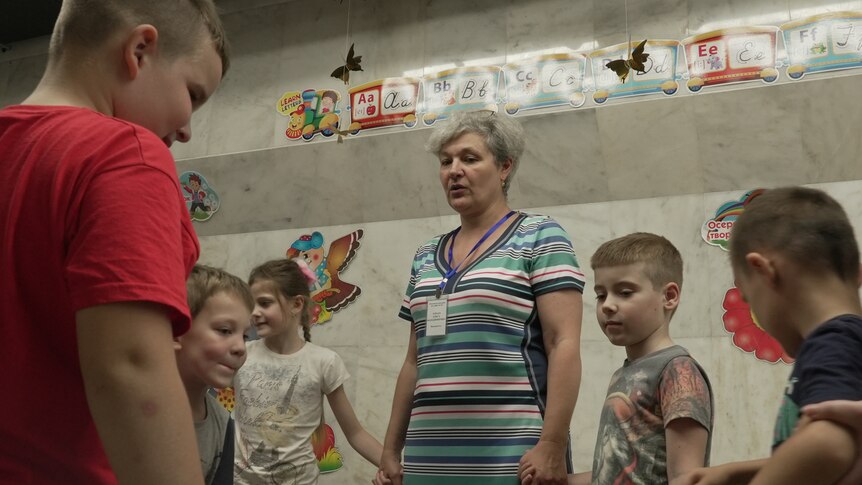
{"x": 794, "y": 133}
{"x": 372, "y": 340}
{"x": 282, "y": 45}
{"x": 655, "y": 164}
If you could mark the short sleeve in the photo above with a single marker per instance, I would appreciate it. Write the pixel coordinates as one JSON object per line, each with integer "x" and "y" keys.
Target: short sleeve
{"x": 553, "y": 265}
{"x": 334, "y": 372}
{"x": 405, "y": 312}
{"x": 127, "y": 241}
{"x": 423, "y": 261}
{"x": 831, "y": 367}
{"x": 684, "y": 393}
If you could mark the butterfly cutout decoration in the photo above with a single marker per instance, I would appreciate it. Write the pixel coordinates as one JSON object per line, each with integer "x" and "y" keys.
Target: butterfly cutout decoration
{"x": 351, "y": 64}
{"x": 622, "y": 67}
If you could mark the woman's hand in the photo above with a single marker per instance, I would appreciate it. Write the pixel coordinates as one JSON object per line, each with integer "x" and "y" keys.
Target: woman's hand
{"x": 545, "y": 464}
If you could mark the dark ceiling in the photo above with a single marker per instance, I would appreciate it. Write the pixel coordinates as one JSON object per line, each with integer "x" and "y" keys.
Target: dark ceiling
{"x": 26, "y": 19}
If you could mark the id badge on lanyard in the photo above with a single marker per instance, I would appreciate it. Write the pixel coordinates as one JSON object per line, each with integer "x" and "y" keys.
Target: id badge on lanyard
{"x": 438, "y": 305}
{"x": 435, "y": 322}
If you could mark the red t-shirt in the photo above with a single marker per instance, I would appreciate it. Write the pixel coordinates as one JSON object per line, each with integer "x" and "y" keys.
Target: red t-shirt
{"x": 91, "y": 213}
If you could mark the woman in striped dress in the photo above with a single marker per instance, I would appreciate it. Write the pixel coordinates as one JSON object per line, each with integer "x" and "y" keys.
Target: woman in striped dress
{"x": 493, "y": 366}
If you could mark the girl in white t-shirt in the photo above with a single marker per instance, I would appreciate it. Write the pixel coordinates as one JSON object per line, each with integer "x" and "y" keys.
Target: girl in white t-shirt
{"x": 280, "y": 389}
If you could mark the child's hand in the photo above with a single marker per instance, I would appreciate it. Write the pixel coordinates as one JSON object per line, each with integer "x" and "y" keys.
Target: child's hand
{"x": 381, "y": 479}
{"x": 847, "y": 413}
{"x": 391, "y": 472}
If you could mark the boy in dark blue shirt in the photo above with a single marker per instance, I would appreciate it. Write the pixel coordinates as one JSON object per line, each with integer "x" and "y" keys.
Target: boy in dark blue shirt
{"x": 796, "y": 262}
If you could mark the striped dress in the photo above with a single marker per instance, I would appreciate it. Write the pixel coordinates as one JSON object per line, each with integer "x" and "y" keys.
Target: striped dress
{"x": 480, "y": 390}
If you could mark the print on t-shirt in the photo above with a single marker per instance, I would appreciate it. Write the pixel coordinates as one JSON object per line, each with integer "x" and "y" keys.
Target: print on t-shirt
{"x": 275, "y": 422}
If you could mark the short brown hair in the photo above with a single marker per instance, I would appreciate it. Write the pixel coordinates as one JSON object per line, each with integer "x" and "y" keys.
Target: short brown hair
{"x": 662, "y": 261}
{"x": 206, "y": 281}
{"x": 806, "y": 225}
{"x": 181, "y": 25}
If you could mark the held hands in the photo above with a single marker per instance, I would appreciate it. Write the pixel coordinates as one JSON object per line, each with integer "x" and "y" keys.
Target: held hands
{"x": 544, "y": 465}
{"x": 391, "y": 472}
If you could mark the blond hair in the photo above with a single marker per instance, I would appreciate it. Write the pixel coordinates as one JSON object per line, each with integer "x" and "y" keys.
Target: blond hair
{"x": 206, "y": 281}
{"x": 181, "y": 24}
{"x": 662, "y": 261}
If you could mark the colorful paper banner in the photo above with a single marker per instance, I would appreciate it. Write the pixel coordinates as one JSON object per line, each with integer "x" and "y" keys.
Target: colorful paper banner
{"x": 310, "y": 112}
{"x": 660, "y": 73}
{"x": 543, "y": 81}
{"x": 387, "y": 102}
{"x": 460, "y": 89}
{"x": 731, "y": 55}
{"x": 737, "y": 54}
{"x": 823, "y": 43}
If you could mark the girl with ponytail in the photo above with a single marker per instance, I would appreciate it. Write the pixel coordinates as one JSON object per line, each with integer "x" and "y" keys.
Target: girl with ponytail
{"x": 280, "y": 389}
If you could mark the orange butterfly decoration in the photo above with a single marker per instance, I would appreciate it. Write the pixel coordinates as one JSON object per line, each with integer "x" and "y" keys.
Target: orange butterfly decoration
{"x": 622, "y": 67}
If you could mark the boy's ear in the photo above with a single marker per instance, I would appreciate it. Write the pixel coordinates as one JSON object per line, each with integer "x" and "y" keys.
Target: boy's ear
{"x": 139, "y": 47}
{"x": 177, "y": 344}
{"x": 671, "y": 296}
{"x": 761, "y": 265}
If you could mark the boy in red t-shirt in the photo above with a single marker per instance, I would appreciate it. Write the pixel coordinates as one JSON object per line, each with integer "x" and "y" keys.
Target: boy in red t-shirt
{"x": 96, "y": 246}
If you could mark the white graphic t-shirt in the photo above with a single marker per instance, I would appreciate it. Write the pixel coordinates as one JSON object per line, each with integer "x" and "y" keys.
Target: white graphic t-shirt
{"x": 279, "y": 404}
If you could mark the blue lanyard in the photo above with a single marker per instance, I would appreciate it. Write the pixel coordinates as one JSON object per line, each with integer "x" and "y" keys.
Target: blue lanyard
{"x": 453, "y": 271}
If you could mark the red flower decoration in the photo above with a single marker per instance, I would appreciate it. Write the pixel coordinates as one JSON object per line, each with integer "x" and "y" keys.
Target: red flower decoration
{"x": 747, "y": 334}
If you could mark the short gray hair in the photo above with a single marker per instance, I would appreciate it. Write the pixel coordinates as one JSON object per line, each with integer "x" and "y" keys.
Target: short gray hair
{"x": 503, "y": 136}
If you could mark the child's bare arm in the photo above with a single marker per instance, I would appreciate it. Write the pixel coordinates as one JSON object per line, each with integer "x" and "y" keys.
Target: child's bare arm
{"x": 583, "y": 478}
{"x": 686, "y": 446}
{"x": 737, "y": 473}
{"x": 818, "y": 453}
{"x": 391, "y": 470}
{"x": 361, "y": 441}
{"x": 135, "y": 394}
{"x": 847, "y": 413}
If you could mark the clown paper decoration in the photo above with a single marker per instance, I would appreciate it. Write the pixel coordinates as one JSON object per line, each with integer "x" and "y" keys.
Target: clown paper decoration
{"x": 329, "y": 294}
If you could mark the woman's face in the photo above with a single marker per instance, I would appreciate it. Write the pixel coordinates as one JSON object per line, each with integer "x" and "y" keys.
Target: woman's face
{"x": 470, "y": 176}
